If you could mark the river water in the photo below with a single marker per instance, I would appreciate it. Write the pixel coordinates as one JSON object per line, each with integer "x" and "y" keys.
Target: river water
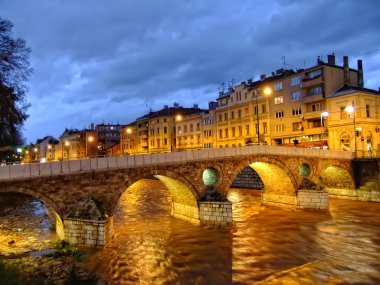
{"x": 265, "y": 245}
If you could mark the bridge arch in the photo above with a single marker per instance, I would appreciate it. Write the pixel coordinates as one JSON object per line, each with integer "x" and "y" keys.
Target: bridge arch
{"x": 184, "y": 195}
{"x": 54, "y": 213}
{"x": 276, "y": 176}
{"x": 336, "y": 175}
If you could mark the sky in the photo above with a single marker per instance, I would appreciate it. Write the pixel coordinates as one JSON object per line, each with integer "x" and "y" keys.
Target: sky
{"x": 98, "y": 61}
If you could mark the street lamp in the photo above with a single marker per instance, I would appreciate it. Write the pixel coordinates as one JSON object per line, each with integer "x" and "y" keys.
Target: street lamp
{"x": 351, "y": 110}
{"x": 176, "y": 119}
{"x": 266, "y": 91}
{"x": 68, "y": 150}
{"x": 324, "y": 115}
{"x": 89, "y": 139}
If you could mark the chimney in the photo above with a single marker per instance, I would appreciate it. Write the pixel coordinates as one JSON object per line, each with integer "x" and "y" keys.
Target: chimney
{"x": 263, "y": 76}
{"x": 195, "y": 106}
{"x": 360, "y": 74}
{"x": 331, "y": 59}
{"x": 346, "y": 71}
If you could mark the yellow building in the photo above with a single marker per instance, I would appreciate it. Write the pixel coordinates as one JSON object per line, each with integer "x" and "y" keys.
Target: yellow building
{"x": 197, "y": 130}
{"x": 354, "y": 120}
{"x": 156, "y": 131}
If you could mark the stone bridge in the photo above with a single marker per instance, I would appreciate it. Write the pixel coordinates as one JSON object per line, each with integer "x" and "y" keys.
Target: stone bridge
{"x": 62, "y": 185}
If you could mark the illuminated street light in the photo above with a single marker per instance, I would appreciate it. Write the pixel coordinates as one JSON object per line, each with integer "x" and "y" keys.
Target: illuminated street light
{"x": 129, "y": 130}
{"x": 351, "y": 110}
{"x": 177, "y": 118}
{"x": 324, "y": 115}
{"x": 266, "y": 91}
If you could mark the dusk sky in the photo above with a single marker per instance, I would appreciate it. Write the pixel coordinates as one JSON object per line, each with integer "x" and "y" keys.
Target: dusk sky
{"x": 111, "y": 61}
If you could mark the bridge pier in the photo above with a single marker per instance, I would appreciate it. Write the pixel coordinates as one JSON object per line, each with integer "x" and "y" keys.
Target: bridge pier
{"x": 304, "y": 199}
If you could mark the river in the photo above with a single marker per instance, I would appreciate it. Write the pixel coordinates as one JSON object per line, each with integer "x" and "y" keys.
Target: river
{"x": 265, "y": 245}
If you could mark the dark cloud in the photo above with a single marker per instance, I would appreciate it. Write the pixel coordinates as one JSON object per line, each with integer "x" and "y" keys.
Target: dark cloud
{"x": 111, "y": 61}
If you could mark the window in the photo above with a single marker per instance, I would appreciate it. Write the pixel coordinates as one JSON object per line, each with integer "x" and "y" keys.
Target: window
{"x": 232, "y": 115}
{"x": 315, "y": 107}
{"x": 296, "y": 96}
{"x": 191, "y": 128}
{"x": 315, "y": 73}
{"x": 220, "y": 134}
{"x": 297, "y": 127}
{"x": 179, "y": 129}
{"x": 158, "y": 142}
{"x": 296, "y": 111}
{"x": 315, "y": 123}
{"x": 343, "y": 113}
{"x": 220, "y": 117}
{"x": 239, "y": 113}
{"x": 226, "y": 133}
{"x": 165, "y": 141}
{"x": 247, "y": 130}
{"x": 165, "y": 130}
{"x": 246, "y": 111}
{"x": 158, "y": 131}
{"x": 367, "y": 111}
{"x": 265, "y": 128}
{"x": 279, "y": 114}
{"x": 225, "y": 116}
{"x": 185, "y": 129}
{"x": 264, "y": 108}
{"x": 278, "y": 86}
{"x": 233, "y": 131}
{"x": 240, "y": 131}
{"x": 315, "y": 90}
{"x": 255, "y": 110}
{"x": 198, "y": 139}
{"x": 295, "y": 81}
{"x": 198, "y": 126}
{"x": 279, "y": 128}
{"x": 278, "y": 100}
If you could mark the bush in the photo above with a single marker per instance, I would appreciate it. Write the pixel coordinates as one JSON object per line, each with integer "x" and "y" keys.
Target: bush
{"x": 63, "y": 248}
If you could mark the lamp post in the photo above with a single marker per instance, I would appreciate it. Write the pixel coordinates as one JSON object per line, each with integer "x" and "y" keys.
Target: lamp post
{"x": 267, "y": 91}
{"x": 89, "y": 139}
{"x": 324, "y": 115}
{"x": 351, "y": 109}
{"x": 67, "y": 144}
{"x": 176, "y": 119}
{"x": 48, "y": 149}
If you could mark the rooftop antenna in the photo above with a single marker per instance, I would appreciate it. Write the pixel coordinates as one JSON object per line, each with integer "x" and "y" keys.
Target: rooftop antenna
{"x": 222, "y": 86}
{"x": 146, "y": 109}
{"x": 283, "y": 58}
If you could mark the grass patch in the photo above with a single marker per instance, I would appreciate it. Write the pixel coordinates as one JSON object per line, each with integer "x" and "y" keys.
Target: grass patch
{"x": 63, "y": 248}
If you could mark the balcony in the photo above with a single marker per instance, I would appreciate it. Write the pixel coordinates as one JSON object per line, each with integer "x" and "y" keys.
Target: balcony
{"x": 312, "y": 115}
{"x": 313, "y": 98}
{"x": 309, "y": 82}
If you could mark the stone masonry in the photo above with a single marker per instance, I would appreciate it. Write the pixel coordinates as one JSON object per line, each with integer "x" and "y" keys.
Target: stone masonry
{"x": 215, "y": 213}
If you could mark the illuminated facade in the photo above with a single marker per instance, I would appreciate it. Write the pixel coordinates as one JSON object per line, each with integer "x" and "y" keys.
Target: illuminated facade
{"x": 354, "y": 120}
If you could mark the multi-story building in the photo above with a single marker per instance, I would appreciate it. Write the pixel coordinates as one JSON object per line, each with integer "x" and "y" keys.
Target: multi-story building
{"x": 155, "y": 131}
{"x": 291, "y": 114}
{"x": 197, "y": 130}
{"x": 108, "y": 136}
{"x": 354, "y": 120}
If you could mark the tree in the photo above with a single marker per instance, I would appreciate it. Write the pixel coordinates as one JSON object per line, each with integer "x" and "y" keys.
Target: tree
{"x": 14, "y": 72}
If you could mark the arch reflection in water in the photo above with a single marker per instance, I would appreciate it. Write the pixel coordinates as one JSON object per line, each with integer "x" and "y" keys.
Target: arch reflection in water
{"x": 151, "y": 247}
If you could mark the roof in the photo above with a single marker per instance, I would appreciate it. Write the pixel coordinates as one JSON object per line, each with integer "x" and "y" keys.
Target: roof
{"x": 349, "y": 89}
{"x": 171, "y": 111}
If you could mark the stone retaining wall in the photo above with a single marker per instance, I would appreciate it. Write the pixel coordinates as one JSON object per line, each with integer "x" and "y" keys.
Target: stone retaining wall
{"x": 313, "y": 200}
{"x": 361, "y": 194}
{"x": 283, "y": 201}
{"x": 87, "y": 232}
{"x": 185, "y": 212}
{"x": 215, "y": 213}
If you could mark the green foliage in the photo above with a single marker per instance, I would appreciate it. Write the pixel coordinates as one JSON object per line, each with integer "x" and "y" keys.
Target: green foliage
{"x": 63, "y": 248}
{"x": 52, "y": 226}
{"x": 14, "y": 71}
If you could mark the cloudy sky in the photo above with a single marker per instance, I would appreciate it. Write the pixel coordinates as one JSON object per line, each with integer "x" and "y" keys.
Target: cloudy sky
{"x": 111, "y": 61}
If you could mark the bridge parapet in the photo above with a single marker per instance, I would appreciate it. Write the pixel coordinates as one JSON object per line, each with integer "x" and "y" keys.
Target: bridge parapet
{"x": 11, "y": 172}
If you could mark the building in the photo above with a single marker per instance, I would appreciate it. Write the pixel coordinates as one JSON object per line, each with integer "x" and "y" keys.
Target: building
{"x": 197, "y": 130}
{"x": 354, "y": 120}
{"x": 291, "y": 114}
{"x": 155, "y": 131}
{"x": 108, "y": 136}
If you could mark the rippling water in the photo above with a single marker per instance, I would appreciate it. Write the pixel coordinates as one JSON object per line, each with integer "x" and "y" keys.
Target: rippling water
{"x": 265, "y": 245}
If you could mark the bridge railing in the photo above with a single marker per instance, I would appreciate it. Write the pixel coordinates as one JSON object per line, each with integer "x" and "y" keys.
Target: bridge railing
{"x": 132, "y": 161}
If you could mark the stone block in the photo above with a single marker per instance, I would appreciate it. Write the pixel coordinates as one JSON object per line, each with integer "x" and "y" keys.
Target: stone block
{"x": 161, "y": 158}
{"x": 85, "y": 164}
{"x": 5, "y": 172}
{"x": 112, "y": 162}
{"x": 34, "y": 169}
{"x": 102, "y": 162}
{"x": 154, "y": 158}
{"x": 74, "y": 165}
{"x": 94, "y": 163}
{"x": 177, "y": 156}
{"x": 18, "y": 171}
{"x": 139, "y": 159}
